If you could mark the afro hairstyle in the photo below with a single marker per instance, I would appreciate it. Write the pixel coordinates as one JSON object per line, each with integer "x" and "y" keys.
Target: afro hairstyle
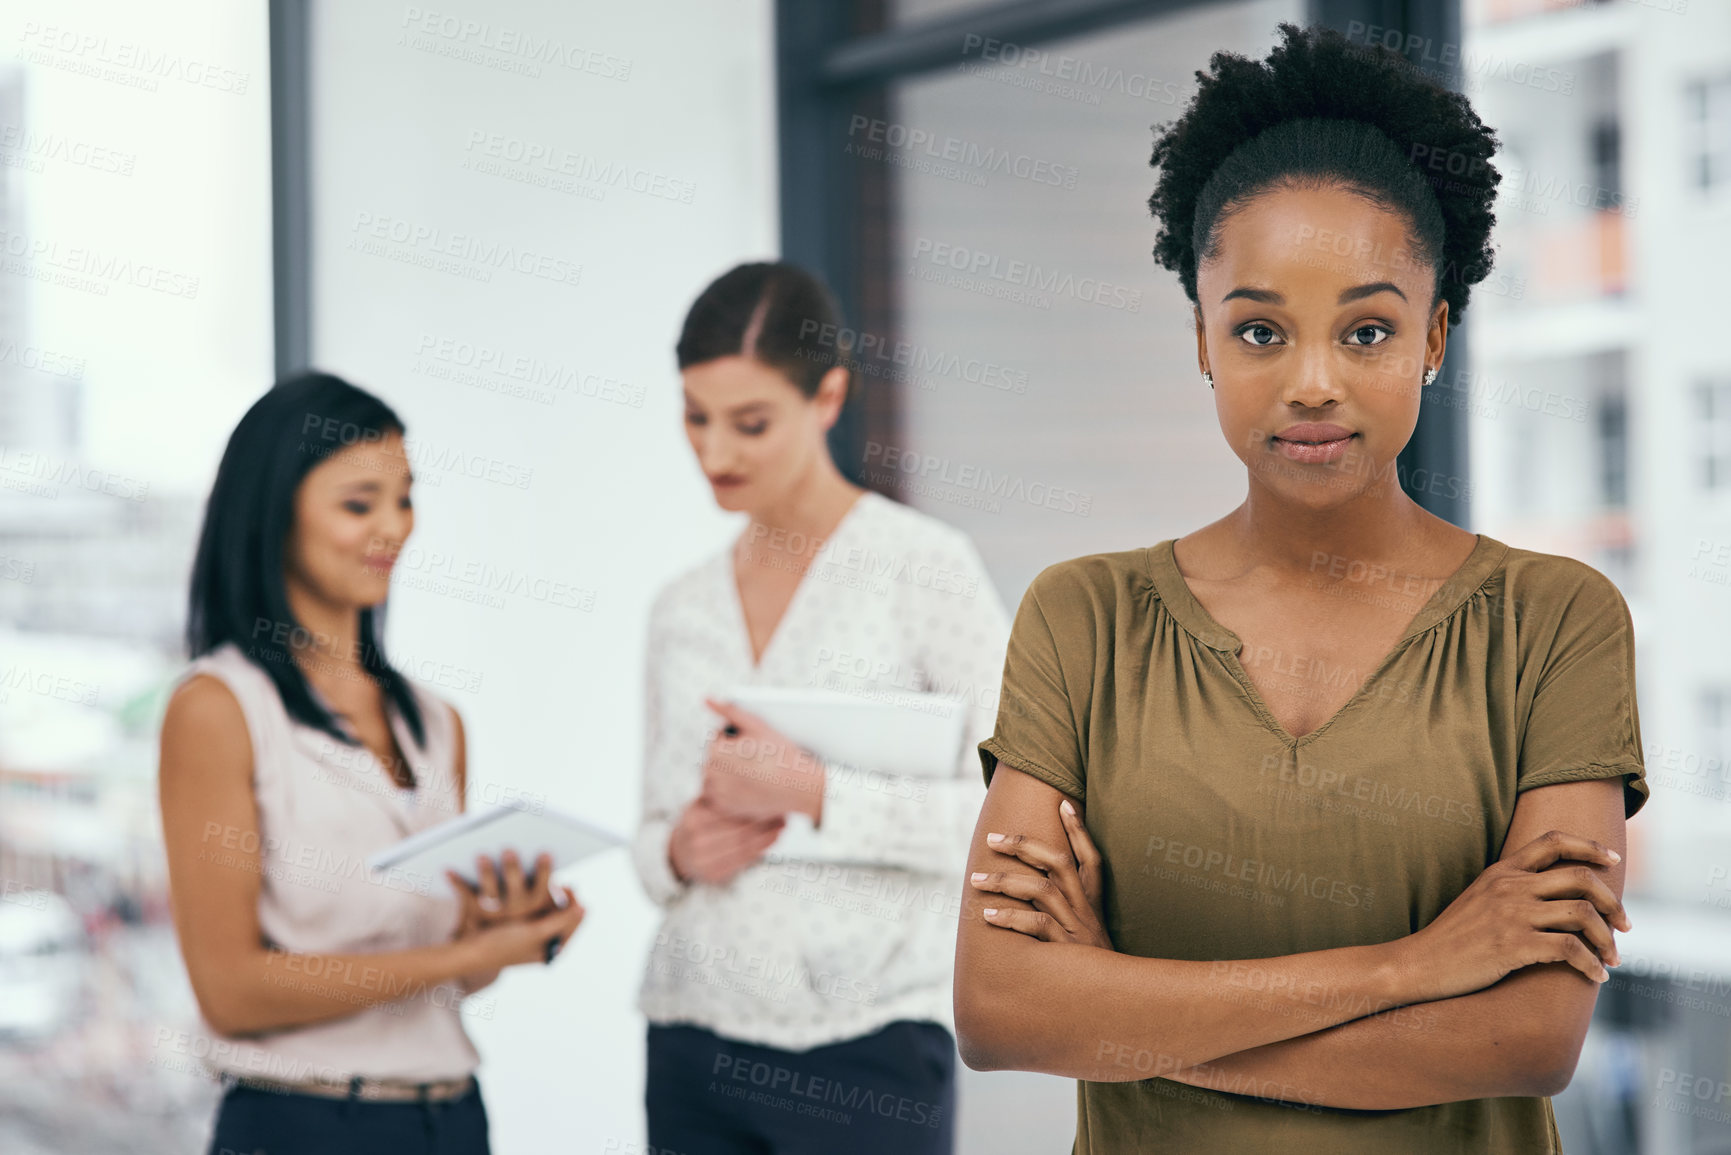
{"x": 1323, "y": 111}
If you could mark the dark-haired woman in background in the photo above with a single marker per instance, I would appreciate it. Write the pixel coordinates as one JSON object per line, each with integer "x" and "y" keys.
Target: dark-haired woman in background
{"x": 1246, "y": 798}
{"x": 291, "y": 751}
{"x": 805, "y": 1004}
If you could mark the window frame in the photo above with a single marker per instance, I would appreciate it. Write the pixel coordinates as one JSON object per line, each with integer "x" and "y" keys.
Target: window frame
{"x": 833, "y": 57}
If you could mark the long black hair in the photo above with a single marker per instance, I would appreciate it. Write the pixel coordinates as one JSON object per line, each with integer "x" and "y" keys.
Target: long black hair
{"x": 1322, "y": 110}
{"x": 238, "y": 594}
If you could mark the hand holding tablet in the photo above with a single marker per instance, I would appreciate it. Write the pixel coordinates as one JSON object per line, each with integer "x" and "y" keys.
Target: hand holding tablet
{"x": 889, "y": 731}
{"x": 505, "y": 891}
{"x": 481, "y": 855}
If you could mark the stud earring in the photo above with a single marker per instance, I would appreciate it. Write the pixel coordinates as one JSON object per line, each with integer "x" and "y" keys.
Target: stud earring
{"x": 1208, "y": 377}
{"x": 1429, "y": 375}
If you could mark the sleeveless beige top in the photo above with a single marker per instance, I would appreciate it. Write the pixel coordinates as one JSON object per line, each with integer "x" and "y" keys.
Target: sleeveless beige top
{"x": 323, "y": 808}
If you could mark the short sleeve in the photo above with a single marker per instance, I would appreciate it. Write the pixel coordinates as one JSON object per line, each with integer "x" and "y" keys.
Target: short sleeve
{"x": 1584, "y": 722}
{"x": 1036, "y": 730}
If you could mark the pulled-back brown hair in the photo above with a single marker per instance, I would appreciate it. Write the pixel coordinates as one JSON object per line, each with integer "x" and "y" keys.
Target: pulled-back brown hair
{"x": 773, "y": 312}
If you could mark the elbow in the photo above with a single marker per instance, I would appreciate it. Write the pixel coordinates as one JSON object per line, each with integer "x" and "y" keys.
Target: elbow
{"x": 1554, "y": 1069}
{"x": 1540, "y": 1025}
{"x": 976, "y": 1047}
{"x": 227, "y": 1010}
{"x": 223, "y": 1017}
{"x": 976, "y": 1042}
{"x": 975, "y": 1057}
{"x": 1541, "y": 1082}
{"x": 234, "y": 1022}
{"x": 1547, "y": 1063}
{"x": 1553, "y": 1083}
{"x": 985, "y": 1030}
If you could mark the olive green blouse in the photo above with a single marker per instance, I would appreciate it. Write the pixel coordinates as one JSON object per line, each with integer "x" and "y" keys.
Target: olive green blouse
{"x": 1226, "y": 838}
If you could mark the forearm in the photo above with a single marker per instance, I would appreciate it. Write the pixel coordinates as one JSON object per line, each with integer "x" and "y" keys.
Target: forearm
{"x": 270, "y": 990}
{"x": 1085, "y": 1013}
{"x": 477, "y": 981}
{"x": 1519, "y": 1037}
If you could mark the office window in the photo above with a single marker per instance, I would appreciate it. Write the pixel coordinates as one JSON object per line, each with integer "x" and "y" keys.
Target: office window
{"x": 1524, "y": 466}
{"x": 1613, "y": 448}
{"x": 1605, "y": 148}
{"x": 1708, "y": 110}
{"x": 1714, "y": 712}
{"x": 135, "y": 308}
{"x": 1713, "y": 435}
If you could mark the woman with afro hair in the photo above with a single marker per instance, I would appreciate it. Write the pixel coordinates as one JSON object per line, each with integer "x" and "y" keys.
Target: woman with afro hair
{"x": 1306, "y": 828}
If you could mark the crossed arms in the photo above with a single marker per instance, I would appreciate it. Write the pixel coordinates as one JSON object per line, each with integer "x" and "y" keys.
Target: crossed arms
{"x": 1479, "y": 1015}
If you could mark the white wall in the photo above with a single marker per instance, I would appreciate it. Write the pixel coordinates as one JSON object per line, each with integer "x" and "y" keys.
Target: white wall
{"x": 597, "y": 498}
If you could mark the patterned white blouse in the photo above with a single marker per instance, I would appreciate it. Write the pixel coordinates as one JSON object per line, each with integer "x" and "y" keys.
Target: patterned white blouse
{"x": 840, "y": 930}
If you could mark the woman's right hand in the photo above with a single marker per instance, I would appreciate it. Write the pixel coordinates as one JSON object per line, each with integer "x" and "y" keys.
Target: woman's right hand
{"x": 1521, "y": 911}
{"x": 711, "y": 846}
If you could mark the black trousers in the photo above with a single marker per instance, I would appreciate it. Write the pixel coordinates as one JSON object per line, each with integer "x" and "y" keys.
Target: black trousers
{"x": 250, "y": 1121}
{"x": 892, "y": 1091}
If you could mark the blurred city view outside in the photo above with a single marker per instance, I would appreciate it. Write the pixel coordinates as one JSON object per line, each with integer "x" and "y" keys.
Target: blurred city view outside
{"x": 1600, "y": 428}
{"x": 134, "y": 326}
{"x": 135, "y": 287}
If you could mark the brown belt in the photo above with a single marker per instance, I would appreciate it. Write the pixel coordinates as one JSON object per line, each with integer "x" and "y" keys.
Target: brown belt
{"x": 373, "y": 1090}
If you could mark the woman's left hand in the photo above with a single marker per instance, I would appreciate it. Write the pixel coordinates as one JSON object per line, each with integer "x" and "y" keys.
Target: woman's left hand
{"x": 503, "y": 893}
{"x": 1066, "y": 894}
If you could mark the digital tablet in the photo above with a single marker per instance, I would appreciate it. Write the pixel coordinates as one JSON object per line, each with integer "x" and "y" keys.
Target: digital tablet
{"x": 454, "y": 845}
{"x": 890, "y": 731}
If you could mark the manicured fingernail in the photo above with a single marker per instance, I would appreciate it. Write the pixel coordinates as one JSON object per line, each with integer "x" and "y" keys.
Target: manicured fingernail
{"x": 1615, "y": 857}
{"x": 1067, "y": 808}
{"x": 977, "y": 876}
{"x": 994, "y": 839}
{"x": 990, "y": 912}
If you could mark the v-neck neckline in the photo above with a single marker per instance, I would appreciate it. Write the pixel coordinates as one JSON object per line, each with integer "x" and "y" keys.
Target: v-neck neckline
{"x": 1168, "y": 582}
{"x": 400, "y": 744}
{"x": 731, "y": 574}
{"x": 398, "y": 729}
